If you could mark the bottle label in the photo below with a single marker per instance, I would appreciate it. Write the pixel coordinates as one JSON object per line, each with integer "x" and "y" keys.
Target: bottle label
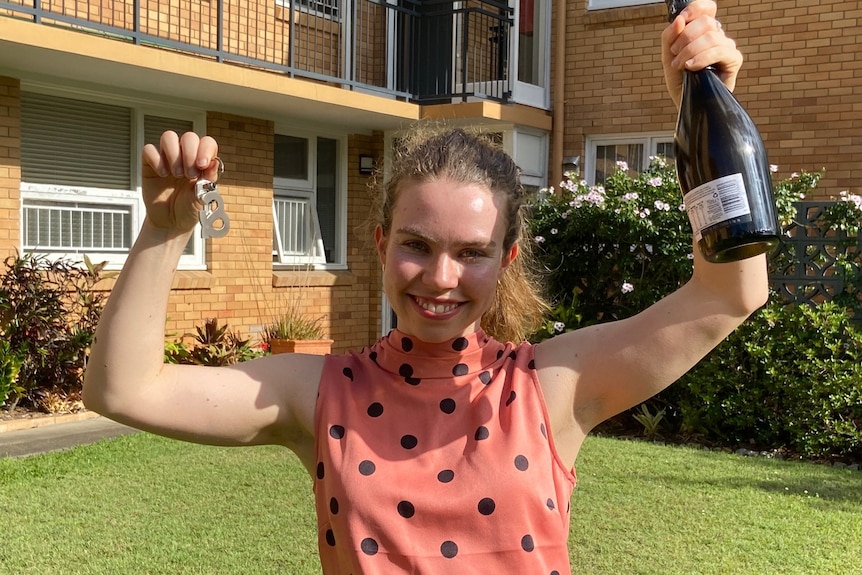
{"x": 715, "y": 202}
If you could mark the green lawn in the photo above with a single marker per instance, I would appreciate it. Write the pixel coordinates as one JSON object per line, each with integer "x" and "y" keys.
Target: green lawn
{"x": 141, "y": 504}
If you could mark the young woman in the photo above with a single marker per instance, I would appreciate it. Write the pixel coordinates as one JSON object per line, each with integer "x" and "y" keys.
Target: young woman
{"x": 450, "y": 443}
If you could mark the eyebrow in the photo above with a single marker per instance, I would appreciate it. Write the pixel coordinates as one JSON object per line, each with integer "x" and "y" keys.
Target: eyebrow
{"x": 422, "y": 235}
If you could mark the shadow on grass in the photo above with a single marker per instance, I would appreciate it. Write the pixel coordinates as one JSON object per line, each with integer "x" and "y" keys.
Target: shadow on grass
{"x": 819, "y": 485}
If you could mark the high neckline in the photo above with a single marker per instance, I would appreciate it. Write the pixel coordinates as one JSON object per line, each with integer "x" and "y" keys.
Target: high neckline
{"x": 415, "y": 359}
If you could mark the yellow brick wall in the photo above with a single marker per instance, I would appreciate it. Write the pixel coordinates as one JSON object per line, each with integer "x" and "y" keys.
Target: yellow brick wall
{"x": 801, "y": 81}
{"x": 238, "y": 287}
{"x": 10, "y": 165}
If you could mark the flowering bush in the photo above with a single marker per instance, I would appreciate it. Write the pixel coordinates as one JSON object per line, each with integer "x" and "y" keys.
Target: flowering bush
{"x": 789, "y": 376}
{"x": 612, "y": 250}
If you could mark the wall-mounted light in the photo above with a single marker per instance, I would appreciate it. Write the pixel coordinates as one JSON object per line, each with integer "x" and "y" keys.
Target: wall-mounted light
{"x": 366, "y": 165}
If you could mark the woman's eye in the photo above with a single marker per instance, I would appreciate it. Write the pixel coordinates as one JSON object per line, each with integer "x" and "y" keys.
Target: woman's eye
{"x": 415, "y": 246}
{"x": 472, "y": 254}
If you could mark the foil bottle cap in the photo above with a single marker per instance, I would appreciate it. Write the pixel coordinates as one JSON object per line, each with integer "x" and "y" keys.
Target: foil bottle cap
{"x": 674, "y": 7}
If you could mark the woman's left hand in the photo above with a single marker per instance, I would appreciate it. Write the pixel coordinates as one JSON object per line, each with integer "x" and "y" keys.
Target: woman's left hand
{"x": 695, "y": 40}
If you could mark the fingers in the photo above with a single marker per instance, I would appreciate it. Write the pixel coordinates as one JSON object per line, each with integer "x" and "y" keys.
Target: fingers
{"x": 701, "y": 43}
{"x": 696, "y": 39}
{"x": 188, "y": 156}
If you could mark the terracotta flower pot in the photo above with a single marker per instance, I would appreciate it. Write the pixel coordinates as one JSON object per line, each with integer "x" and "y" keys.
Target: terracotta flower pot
{"x": 310, "y": 346}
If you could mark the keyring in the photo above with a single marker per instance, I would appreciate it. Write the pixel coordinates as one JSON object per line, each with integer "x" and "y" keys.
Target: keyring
{"x": 220, "y": 170}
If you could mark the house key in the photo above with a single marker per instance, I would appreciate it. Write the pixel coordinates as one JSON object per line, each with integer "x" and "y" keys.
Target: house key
{"x": 213, "y": 218}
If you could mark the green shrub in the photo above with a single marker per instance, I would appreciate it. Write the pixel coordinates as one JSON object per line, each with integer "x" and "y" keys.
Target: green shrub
{"x": 10, "y": 366}
{"x": 50, "y": 312}
{"x": 789, "y": 376}
{"x": 213, "y": 345}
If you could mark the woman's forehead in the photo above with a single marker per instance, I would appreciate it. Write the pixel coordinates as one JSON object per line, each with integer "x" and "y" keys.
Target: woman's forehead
{"x": 446, "y": 208}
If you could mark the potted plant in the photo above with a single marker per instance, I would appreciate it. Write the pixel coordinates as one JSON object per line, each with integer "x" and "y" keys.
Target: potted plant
{"x": 295, "y": 332}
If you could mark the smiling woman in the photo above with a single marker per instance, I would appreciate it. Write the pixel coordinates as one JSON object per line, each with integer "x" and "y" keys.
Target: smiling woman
{"x": 464, "y": 214}
{"x": 449, "y": 444}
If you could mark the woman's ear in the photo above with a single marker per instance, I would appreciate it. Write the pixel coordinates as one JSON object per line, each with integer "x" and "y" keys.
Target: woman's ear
{"x": 380, "y": 243}
{"x": 509, "y": 257}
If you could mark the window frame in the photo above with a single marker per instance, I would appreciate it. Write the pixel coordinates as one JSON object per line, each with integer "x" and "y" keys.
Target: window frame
{"x": 131, "y": 198}
{"x": 306, "y": 190}
{"x": 649, "y": 141}
{"x": 606, "y": 4}
{"x": 316, "y": 7}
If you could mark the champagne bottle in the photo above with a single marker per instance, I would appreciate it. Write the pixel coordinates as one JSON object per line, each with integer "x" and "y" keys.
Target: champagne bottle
{"x": 722, "y": 168}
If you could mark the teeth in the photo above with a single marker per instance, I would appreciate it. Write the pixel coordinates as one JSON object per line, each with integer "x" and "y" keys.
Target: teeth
{"x": 439, "y": 308}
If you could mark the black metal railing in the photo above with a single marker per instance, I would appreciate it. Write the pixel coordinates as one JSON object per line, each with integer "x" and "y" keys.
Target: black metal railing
{"x": 805, "y": 267}
{"x": 422, "y": 51}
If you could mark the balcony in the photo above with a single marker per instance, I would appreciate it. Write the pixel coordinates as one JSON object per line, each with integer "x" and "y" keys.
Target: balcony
{"x": 427, "y": 52}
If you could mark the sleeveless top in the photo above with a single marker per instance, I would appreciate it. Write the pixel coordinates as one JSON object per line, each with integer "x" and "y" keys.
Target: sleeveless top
{"x": 436, "y": 458}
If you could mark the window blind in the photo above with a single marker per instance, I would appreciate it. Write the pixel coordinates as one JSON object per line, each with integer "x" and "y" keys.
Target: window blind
{"x": 68, "y": 142}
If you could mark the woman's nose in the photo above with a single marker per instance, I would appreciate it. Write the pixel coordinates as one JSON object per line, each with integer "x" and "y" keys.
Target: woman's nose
{"x": 442, "y": 272}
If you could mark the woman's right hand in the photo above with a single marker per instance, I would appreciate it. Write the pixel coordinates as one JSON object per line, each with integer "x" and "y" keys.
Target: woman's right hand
{"x": 169, "y": 176}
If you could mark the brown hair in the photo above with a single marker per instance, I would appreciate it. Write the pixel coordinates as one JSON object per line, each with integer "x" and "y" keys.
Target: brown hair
{"x": 428, "y": 154}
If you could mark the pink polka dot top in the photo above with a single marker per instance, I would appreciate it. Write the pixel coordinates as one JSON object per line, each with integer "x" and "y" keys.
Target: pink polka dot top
{"x": 437, "y": 459}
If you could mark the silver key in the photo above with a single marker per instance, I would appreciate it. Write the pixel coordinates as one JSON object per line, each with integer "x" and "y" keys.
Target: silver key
{"x": 213, "y": 218}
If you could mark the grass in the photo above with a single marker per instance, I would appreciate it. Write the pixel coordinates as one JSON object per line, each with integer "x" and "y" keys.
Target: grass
{"x": 141, "y": 504}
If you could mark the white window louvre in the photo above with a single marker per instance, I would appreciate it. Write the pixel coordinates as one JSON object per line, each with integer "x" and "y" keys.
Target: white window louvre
{"x": 297, "y": 238}
{"x": 71, "y": 227}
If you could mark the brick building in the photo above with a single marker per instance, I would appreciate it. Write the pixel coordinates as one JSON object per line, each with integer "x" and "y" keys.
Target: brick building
{"x": 302, "y": 96}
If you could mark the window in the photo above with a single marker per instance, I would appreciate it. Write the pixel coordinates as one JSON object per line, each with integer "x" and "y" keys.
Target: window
{"x": 603, "y": 153}
{"x": 602, "y": 4}
{"x": 79, "y": 176}
{"x": 308, "y": 203}
{"x": 328, "y": 8}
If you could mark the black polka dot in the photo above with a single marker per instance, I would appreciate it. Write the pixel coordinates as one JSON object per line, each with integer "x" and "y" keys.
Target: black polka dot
{"x": 482, "y": 433}
{"x": 373, "y": 356}
{"x": 348, "y": 373}
{"x": 521, "y": 463}
{"x": 543, "y": 430}
{"x": 486, "y": 506}
{"x": 499, "y": 354}
{"x": 447, "y": 405}
{"x": 550, "y": 504}
{"x": 320, "y": 470}
{"x": 375, "y": 409}
{"x": 406, "y": 509}
{"x": 449, "y": 549}
{"x": 330, "y": 538}
{"x": 485, "y": 377}
{"x": 406, "y": 343}
{"x": 460, "y": 369}
{"x": 336, "y": 431}
{"x": 409, "y": 441}
{"x": 532, "y": 364}
{"x": 527, "y": 543}
{"x": 513, "y": 355}
{"x": 555, "y": 572}
{"x": 406, "y": 370}
{"x": 460, "y": 344}
{"x": 369, "y": 546}
{"x": 367, "y": 467}
{"x": 333, "y": 506}
{"x": 511, "y": 398}
{"x": 446, "y": 476}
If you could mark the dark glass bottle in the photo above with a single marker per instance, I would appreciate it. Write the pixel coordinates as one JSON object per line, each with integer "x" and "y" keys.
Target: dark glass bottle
{"x": 722, "y": 168}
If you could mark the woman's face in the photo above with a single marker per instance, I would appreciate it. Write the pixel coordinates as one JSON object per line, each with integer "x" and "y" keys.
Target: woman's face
{"x": 443, "y": 257}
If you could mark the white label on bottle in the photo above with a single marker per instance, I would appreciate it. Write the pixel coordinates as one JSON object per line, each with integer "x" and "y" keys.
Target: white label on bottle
{"x": 715, "y": 202}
